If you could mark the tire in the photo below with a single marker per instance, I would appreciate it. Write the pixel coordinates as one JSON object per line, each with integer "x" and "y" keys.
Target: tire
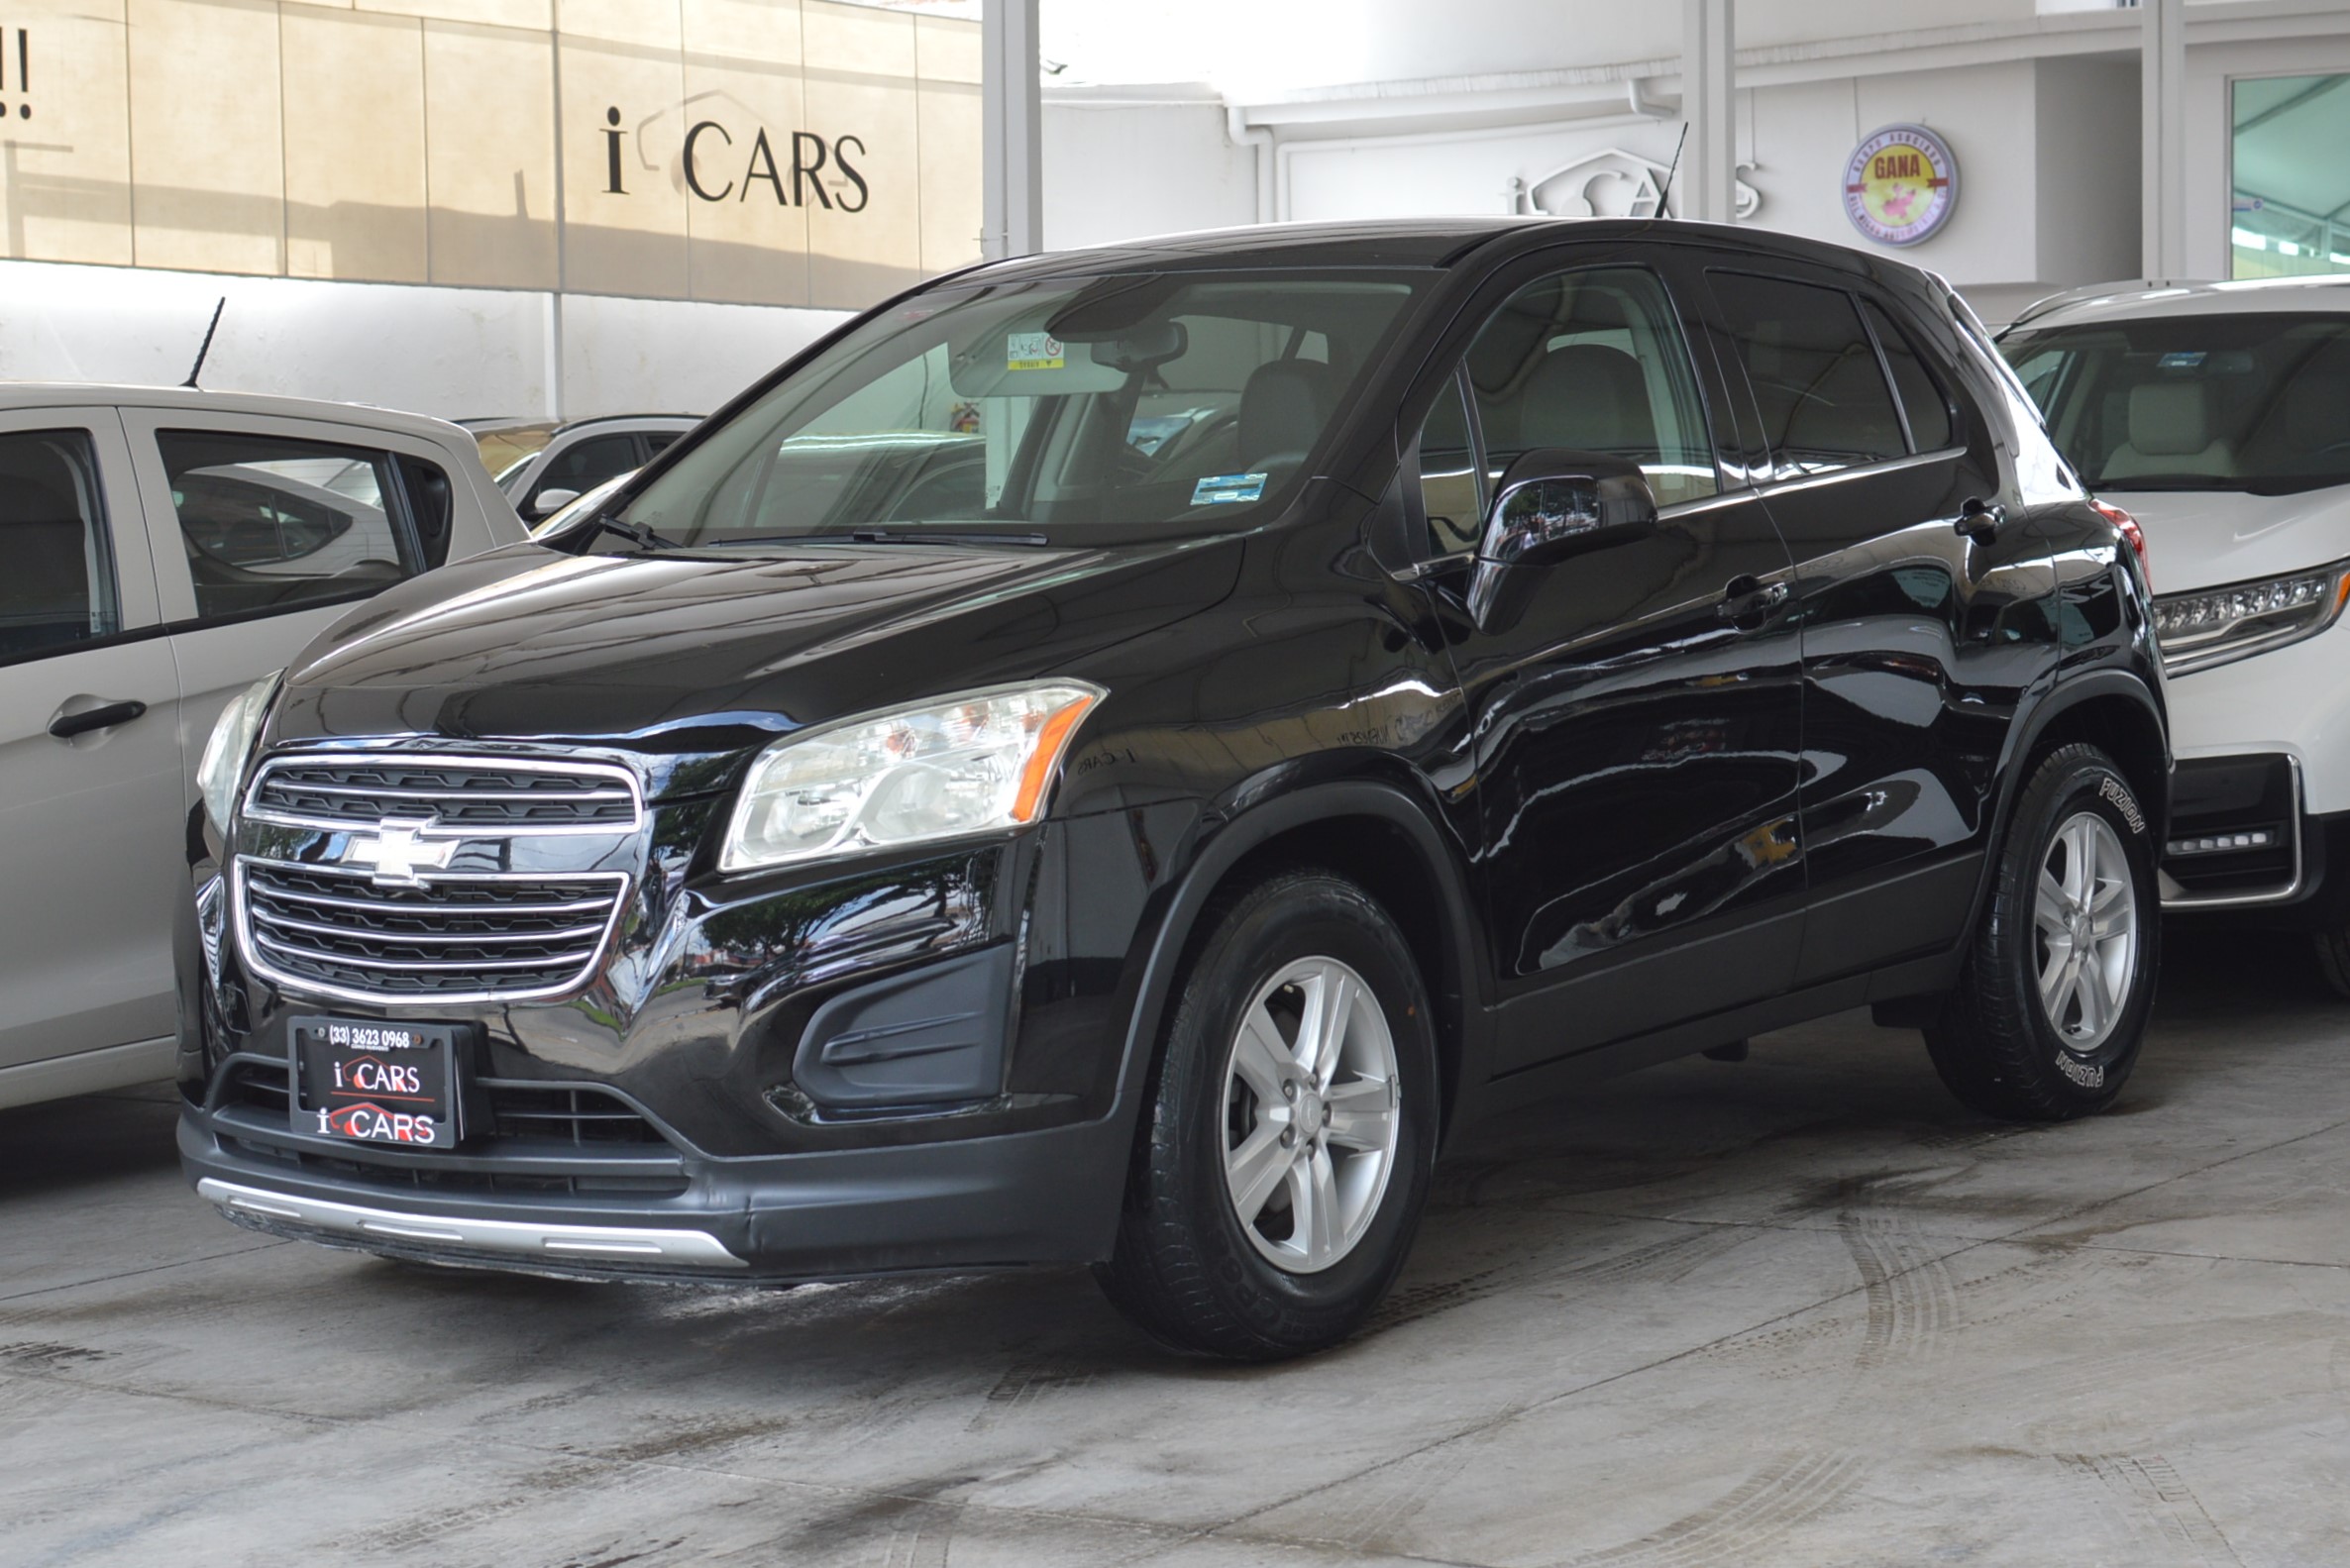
{"x": 1188, "y": 1268}
{"x": 2014, "y": 1040}
{"x": 2333, "y": 958}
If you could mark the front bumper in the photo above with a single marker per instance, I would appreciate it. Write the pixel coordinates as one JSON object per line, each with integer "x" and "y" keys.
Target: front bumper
{"x": 904, "y": 1063}
{"x": 2243, "y": 846}
{"x": 985, "y": 1203}
{"x": 2291, "y": 702}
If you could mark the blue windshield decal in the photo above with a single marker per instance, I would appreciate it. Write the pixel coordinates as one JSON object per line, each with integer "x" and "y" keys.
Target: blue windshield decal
{"x": 1216, "y": 488}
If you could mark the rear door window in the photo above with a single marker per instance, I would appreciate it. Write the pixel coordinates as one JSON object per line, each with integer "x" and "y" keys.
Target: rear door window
{"x": 58, "y": 587}
{"x": 1923, "y": 401}
{"x": 271, "y": 524}
{"x": 1814, "y": 373}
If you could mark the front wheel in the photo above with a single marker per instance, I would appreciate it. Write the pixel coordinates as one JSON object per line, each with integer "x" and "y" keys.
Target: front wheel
{"x": 1285, "y": 1153}
{"x": 2051, "y": 1008}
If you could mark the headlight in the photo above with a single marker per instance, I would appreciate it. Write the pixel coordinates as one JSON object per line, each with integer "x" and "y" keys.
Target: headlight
{"x": 977, "y": 762}
{"x": 2199, "y": 630}
{"x": 223, "y": 767}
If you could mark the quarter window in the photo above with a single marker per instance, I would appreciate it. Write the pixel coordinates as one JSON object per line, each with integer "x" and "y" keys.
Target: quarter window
{"x": 1592, "y": 361}
{"x": 429, "y": 507}
{"x": 271, "y": 524}
{"x": 58, "y": 587}
{"x": 1815, "y": 376}
{"x": 1448, "y": 487}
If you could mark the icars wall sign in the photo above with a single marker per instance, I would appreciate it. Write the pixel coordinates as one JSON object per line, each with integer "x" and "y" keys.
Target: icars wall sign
{"x": 1902, "y": 185}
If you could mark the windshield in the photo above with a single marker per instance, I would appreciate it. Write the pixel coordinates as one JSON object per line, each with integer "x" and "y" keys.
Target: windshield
{"x": 2219, "y": 402}
{"x": 1074, "y": 411}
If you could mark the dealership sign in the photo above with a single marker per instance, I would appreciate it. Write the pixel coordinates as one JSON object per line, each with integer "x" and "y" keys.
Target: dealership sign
{"x": 776, "y": 152}
{"x": 1902, "y": 185}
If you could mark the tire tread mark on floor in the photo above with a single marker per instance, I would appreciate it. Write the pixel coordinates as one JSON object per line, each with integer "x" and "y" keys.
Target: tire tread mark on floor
{"x": 1745, "y": 1522}
{"x": 2164, "y": 1501}
{"x": 1024, "y": 1383}
{"x": 1661, "y": 1262}
{"x": 1910, "y": 1307}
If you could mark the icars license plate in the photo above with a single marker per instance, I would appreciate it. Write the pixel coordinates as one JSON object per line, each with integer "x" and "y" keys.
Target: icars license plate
{"x": 373, "y": 1082}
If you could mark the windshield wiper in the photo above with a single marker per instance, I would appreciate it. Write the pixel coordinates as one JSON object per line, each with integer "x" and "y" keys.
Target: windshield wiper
{"x": 939, "y": 536}
{"x": 636, "y": 533}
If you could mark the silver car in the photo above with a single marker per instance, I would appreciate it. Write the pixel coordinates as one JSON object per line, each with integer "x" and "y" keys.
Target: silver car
{"x": 159, "y": 551}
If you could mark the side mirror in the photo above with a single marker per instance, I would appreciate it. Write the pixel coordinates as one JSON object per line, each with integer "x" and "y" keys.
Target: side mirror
{"x": 1554, "y": 504}
{"x": 548, "y": 502}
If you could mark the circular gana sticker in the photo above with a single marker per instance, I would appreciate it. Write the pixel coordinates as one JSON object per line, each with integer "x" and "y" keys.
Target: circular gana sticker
{"x": 1902, "y": 185}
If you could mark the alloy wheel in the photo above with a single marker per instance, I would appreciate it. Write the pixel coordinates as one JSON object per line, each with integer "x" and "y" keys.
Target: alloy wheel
{"x": 1311, "y": 1115}
{"x": 2086, "y": 920}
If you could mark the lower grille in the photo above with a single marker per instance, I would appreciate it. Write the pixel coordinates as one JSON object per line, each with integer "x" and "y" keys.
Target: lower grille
{"x": 321, "y": 928}
{"x": 565, "y": 1114}
{"x": 537, "y": 1114}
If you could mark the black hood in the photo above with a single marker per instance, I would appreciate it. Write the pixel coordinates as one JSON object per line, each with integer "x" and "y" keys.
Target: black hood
{"x": 689, "y": 654}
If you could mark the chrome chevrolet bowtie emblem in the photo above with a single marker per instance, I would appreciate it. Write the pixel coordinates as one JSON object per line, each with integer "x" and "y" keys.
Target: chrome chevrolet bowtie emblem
{"x": 397, "y": 850}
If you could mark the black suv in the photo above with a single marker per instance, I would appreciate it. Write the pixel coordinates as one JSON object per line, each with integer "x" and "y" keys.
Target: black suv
{"x": 1114, "y": 757}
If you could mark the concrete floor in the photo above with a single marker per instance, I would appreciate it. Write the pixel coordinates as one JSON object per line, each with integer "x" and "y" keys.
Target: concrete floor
{"x": 1797, "y": 1310}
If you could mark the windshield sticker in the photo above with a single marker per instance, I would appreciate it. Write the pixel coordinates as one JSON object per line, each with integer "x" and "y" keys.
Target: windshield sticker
{"x": 1031, "y": 351}
{"x": 1220, "y": 487}
{"x": 2181, "y": 360}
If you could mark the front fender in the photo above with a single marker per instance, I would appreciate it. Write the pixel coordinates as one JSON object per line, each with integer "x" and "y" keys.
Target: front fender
{"x": 1252, "y": 819}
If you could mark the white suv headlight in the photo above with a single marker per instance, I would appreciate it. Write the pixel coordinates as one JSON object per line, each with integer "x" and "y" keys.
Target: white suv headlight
{"x": 977, "y": 762}
{"x": 2213, "y": 626}
{"x": 223, "y": 767}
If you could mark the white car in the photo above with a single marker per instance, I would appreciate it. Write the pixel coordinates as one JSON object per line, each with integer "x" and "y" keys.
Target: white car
{"x": 2218, "y": 414}
{"x": 547, "y": 466}
{"x": 159, "y": 551}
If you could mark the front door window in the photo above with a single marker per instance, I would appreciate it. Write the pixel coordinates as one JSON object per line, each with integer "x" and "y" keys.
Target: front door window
{"x": 1591, "y": 360}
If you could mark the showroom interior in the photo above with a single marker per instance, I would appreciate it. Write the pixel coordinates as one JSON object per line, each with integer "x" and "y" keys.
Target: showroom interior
{"x": 1034, "y": 781}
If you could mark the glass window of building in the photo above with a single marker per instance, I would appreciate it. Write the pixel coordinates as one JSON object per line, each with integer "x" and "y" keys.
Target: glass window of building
{"x": 2292, "y": 184}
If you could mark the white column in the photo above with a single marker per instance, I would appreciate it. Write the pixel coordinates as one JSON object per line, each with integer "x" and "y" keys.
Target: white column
{"x": 2162, "y": 156}
{"x": 1012, "y": 145}
{"x": 1709, "y": 157}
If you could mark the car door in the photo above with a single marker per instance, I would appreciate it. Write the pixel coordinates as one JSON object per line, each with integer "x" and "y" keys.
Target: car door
{"x": 1918, "y": 639}
{"x": 265, "y": 531}
{"x": 1636, "y": 713}
{"x": 91, "y": 817}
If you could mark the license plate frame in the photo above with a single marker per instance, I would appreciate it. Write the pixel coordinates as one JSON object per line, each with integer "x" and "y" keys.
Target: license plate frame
{"x": 376, "y": 1082}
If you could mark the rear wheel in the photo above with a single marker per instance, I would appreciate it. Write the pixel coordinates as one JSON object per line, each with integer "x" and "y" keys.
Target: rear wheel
{"x": 1284, "y": 1155}
{"x": 2051, "y": 1008}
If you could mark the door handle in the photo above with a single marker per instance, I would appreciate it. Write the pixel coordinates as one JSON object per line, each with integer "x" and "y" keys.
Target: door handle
{"x": 67, "y": 725}
{"x": 1745, "y": 599}
{"x": 1981, "y": 520}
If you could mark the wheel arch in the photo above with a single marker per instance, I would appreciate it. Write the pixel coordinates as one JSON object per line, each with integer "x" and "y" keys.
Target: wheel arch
{"x": 1371, "y": 832}
{"x": 2114, "y": 711}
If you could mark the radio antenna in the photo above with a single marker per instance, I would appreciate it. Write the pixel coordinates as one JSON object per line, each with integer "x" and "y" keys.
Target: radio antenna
{"x": 1666, "y": 189}
{"x": 205, "y": 346}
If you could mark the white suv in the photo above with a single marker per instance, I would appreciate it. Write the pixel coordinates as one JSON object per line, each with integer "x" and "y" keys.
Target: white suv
{"x": 2219, "y": 415}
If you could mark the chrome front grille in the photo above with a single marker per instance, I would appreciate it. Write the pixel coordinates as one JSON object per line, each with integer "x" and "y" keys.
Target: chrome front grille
{"x": 470, "y": 794}
{"x": 491, "y": 936}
